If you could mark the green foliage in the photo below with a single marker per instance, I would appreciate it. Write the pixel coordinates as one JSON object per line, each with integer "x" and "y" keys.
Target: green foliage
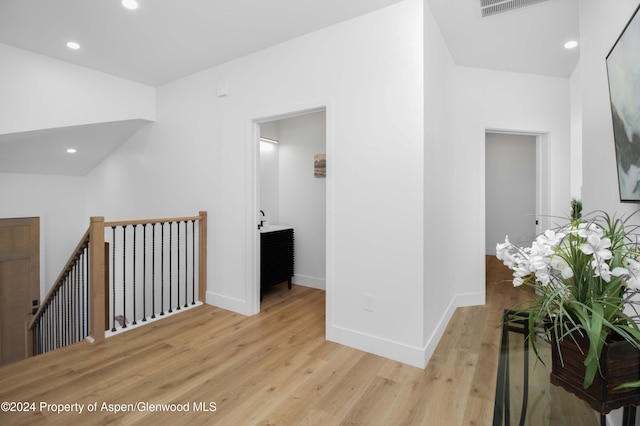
{"x": 587, "y": 275}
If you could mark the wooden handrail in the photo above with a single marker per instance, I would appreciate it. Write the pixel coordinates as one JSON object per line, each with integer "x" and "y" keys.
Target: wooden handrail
{"x": 58, "y": 282}
{"x": 127, "y": 222}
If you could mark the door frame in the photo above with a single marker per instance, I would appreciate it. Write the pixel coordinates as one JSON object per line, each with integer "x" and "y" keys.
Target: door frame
{"x": 253, "y": 291}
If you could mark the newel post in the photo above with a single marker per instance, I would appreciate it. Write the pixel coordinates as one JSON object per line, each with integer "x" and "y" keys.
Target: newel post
{"x": 96, "y": 278}
{"x": 202, "y": 257}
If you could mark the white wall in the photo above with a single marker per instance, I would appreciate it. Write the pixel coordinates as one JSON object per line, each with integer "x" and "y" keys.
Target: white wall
{"x": 502, "y": 101}
{"x": 302, "y": 197}
{"x": 201, "y": 155}
{"x": 269, "y": 176}
{"x": 59, "y": 202}
{"x": 439, "y": 269}
{"x": 39, "y": 92}
{"x": 576, "y": 135}
{"x": 601, "y": 23}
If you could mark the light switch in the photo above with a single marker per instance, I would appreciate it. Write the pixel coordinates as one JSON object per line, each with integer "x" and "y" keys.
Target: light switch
{"x": 223, "y": 88}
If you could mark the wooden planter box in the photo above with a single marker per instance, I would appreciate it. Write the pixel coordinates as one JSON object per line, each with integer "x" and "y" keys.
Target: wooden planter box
{"x": 619, "y": 363}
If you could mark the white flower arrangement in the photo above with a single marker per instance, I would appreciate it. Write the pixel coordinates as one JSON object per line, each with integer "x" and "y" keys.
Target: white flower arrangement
{"x": 586, "y": 274}
{"x": 547, "y": 258}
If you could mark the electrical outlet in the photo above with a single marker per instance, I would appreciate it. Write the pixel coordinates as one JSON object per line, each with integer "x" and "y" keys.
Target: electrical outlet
{"x": 367, "y": 302}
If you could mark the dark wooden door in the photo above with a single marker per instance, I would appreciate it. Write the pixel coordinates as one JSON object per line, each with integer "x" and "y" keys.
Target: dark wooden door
{"x": 19, "y": 284}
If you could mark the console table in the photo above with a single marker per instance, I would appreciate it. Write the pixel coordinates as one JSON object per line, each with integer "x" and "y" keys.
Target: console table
{"x": 524, "y": 393}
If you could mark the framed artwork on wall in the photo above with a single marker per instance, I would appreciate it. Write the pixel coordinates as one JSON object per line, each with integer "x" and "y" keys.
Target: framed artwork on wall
{"x": 623, "y": 73}
{"x": 319, "y": 166}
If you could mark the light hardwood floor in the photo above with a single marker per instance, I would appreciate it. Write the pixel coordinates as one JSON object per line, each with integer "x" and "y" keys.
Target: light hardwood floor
{"x": 274, "y": 368}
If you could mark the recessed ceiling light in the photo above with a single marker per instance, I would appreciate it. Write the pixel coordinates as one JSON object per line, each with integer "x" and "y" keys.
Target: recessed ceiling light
{"x": 571, "y": 44}
{"x": 73, "y": 45}
{"x": 72, "y": 150}
{"x": 130, "y": 4}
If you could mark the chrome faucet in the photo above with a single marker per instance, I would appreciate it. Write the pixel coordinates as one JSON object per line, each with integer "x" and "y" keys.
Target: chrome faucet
{"x": 262, "y": 221}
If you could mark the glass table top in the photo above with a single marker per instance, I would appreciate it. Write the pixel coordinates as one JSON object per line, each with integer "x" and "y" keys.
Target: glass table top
{"x": 524, "y": 394}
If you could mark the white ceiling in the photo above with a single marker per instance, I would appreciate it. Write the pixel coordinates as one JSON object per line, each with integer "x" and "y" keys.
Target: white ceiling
{"x": 164, "y": 40}
{"x": 44, "y": 151}
{"x": 527, "y": 40}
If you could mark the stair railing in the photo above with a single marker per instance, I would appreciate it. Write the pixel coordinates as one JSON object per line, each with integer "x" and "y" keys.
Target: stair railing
{"x": 122, "y": 272}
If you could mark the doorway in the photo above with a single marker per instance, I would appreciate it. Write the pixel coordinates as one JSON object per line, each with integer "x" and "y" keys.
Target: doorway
{"x": 19, "y": 284}
{"x": 289, "y": 193}
{"x": 511, "y": 189}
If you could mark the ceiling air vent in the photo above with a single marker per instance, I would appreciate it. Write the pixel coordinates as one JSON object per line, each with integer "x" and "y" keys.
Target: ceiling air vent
{"x": 495, "y": 7}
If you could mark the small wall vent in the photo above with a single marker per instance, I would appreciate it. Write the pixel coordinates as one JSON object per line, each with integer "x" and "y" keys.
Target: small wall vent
{"x": 495, "y": 7}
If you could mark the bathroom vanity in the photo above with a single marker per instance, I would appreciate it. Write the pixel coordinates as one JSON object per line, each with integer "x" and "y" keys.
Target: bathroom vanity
{"x": 276, "y": 256}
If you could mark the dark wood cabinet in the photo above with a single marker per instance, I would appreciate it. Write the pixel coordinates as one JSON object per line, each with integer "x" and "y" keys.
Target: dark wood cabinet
{"x": 276, "y": 258}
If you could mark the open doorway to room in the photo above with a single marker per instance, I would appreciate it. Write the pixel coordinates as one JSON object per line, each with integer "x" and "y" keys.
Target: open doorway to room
{"x": 510, "y": 189}
{"x": 291, "y": 199}
{"x": 517, "y": 191}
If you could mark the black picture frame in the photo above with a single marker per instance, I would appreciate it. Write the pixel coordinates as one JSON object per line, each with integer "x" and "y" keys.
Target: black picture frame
{"x": 623, "y": 75}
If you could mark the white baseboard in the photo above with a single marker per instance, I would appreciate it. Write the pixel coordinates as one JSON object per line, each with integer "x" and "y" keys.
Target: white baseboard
{"x": 434, "y": 339}
{"x": 229, "y": 303}
{"x": 383, "y": 347}
{"x": 470, "y": 299}
{"x": 411, "y": 355}
{"x": 307, "y": 281}
{"x": 401, "y": 352}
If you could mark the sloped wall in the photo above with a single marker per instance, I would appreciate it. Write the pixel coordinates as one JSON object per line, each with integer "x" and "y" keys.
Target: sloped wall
{"x": 39, "y": 92}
